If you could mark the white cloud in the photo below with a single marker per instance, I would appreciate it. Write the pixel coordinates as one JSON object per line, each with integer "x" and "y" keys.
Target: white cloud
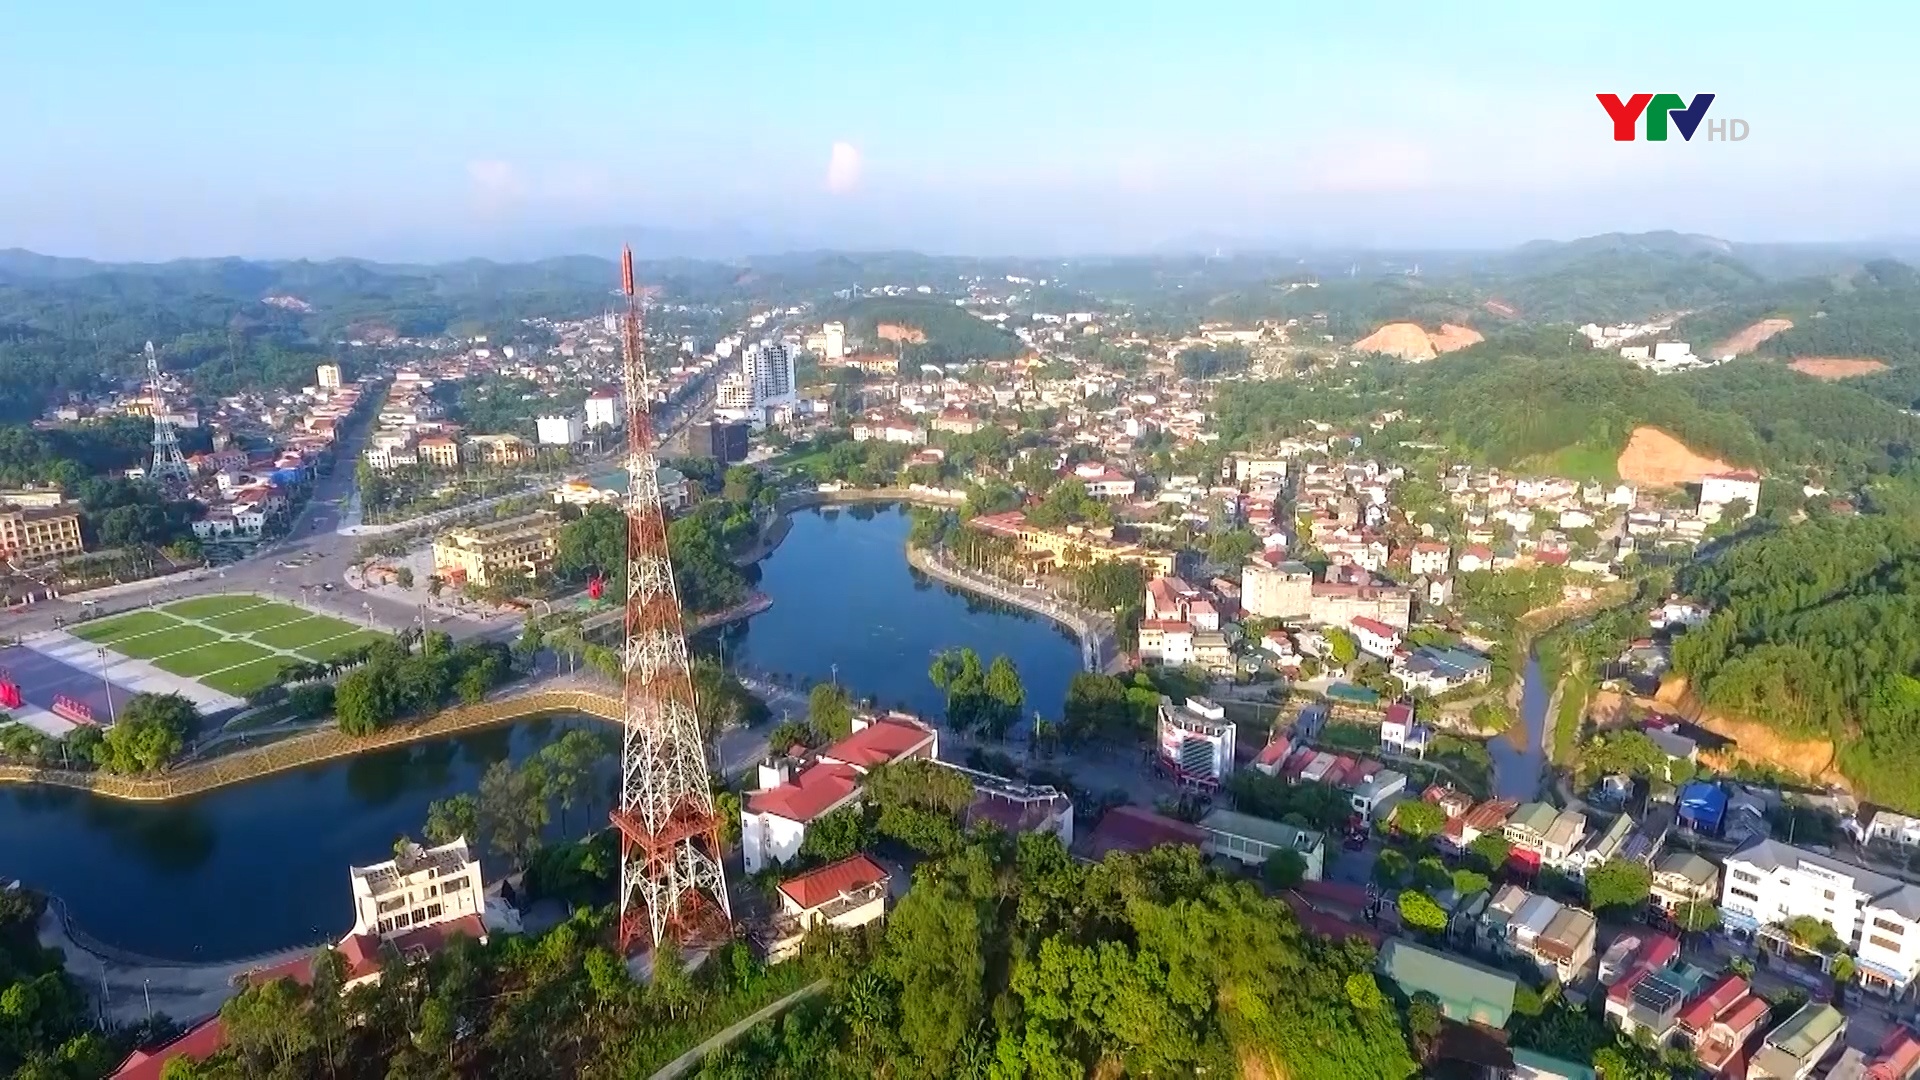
{"x": 843, "y": 168}
{"x": 496, "y": 185}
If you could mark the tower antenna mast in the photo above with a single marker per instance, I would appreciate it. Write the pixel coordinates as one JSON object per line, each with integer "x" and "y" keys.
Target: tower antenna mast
{"x": 169, "y": 465}
{"x": 672, "y": 887}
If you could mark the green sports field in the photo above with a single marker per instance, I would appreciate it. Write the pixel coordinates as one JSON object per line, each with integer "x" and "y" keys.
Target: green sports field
{"x": 200, "y": 607}
{"x": 245, "y": 679}
{"x": 234, "y": 643}
{"x": 123, "y": 626}
{"x": 177, "y": 638}
{"x": 327, "y": 650}
{"x": 304, "y": 633}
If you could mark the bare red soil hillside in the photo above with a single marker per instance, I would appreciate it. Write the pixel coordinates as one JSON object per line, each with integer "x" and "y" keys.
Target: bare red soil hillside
{"x": 1654, "y": 458}
{"x": 1749, "y": 339}
{"x": 1837, "y": 367}
{"x": 1409, "y": 342}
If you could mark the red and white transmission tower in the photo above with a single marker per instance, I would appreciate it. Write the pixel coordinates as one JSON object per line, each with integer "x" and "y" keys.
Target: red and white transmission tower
{"x": 672, "y": 888}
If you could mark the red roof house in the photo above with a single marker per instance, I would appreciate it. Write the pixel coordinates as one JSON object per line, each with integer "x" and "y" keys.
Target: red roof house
{"x": 817, "y": 789}
{"x": 199, "y": 1043}
{"x": 1131, "y": 829}
{"x": 882, "y": 740}
{"x": 816, "y": 888}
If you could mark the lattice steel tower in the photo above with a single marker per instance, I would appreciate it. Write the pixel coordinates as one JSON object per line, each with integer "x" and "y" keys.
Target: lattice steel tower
{"x": 672, "y": 888}
{"x": 169, "y": 465}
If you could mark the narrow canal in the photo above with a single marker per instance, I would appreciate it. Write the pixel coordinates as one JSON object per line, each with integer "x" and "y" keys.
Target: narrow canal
{"x": 1519, "y": 757}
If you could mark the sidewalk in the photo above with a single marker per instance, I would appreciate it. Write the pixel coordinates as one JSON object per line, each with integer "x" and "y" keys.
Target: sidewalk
{"x": 122, "y": 984}
{"x": 684, "y": 1064}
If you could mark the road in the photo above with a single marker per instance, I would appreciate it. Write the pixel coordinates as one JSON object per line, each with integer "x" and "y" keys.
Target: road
{"x": 316, "y": 552}
{"x": 126, "y": 988}
{"x": 684, "y": 1064}
{"x": 312, "y": 542}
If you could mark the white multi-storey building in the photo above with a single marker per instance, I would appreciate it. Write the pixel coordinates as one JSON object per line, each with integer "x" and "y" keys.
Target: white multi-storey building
{"x": 1878, "y": 918}
{"x": 560, "y": 430}
{"x": 732, "y": 395}
{"x": 327, "y": 376}
{"x": 763, "y": 388}
{"x": 835, "y": 335}
{"x": 1717, "y": 491}
{"x": 423, "y": 887}
{"x": 1196, "y": 741}
{"x": 769, "y": 369}
{"x": 604, "y": 409}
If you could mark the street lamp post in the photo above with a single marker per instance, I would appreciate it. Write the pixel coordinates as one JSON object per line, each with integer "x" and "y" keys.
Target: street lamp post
{"x": 111, "y": 717}
{"x": 367, "y": 606}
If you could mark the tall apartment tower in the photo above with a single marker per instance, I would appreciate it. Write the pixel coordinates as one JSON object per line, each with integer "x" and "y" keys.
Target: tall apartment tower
{"x": 836, "y": 335}
{"x": 769, "y": 369}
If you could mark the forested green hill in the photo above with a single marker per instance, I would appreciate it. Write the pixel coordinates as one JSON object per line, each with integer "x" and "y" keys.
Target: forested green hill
{"x": 1609, "y": 285}
{"x": 1873, "y": 314}
{"x": 1521, "y": 400}
{"x": 952, "y": 335}
{"x": 1816, "y": 630}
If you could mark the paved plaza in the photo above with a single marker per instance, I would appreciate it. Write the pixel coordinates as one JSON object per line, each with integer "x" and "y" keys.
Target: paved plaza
{"x": 213, "y": 650}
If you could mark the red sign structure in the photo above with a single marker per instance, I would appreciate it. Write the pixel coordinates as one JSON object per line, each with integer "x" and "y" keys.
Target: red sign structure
{"x": 596, "y": 588}
{"x": 77, "y": 711}
{"x": 9, "y": 694}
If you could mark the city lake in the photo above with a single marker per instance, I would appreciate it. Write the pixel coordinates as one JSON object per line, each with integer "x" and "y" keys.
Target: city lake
{"x": 255, "y": 868}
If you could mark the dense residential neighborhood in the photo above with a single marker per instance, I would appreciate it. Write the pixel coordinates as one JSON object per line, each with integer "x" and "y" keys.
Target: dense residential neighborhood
{"x": 1415, "y": 701}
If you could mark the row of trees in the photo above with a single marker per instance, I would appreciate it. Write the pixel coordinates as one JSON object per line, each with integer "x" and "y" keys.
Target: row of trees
{"x": 394, "y": 682}
{"x": 150, "y": 732}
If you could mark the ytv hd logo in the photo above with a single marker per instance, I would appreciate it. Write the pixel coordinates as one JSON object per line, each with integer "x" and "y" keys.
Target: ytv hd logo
{"x": 1659, "y": 108}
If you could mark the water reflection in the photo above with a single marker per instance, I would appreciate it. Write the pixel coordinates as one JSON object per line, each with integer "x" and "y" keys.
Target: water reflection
{"x": 1519, "y": 755}
{"x": 845, "y": 597}
{"x": 271, "y": 857}
{"x": 144, "y": 877}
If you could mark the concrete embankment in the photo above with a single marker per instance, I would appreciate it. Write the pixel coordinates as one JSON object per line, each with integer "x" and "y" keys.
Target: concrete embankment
{"x": 1094, "y": 641}
{"x": 317, "y": 747}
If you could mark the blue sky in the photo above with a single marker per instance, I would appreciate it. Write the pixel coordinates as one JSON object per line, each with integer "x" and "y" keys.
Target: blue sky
{"x": 426, "y": 129}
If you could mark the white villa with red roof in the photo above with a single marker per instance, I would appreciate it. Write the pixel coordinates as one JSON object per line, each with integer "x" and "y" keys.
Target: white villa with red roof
{"x": 1103, "y": 481}
{"x": 1374, "y": 637}
{"x": 847, "y": 894}
{"x": 793, "y": 794}
{"x": 1429, "y": 558}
